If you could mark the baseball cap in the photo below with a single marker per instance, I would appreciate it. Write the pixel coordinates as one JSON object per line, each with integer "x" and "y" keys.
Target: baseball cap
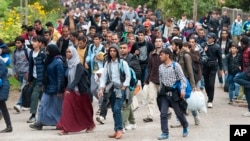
{"x": 147, "y": 23}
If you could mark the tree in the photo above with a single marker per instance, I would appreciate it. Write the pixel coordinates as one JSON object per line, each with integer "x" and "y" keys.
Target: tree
{"x": 240, "y": 4}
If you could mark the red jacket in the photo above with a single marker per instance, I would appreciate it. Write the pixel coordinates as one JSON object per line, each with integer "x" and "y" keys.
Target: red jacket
{"x": 246, "y": 60}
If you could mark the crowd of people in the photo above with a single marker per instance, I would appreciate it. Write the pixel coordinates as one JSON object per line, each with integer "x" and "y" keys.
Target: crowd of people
{"x": 107, "y": 50}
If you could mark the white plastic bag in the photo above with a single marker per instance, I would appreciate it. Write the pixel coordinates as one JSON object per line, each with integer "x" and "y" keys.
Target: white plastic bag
{"x": 197, "y": 102}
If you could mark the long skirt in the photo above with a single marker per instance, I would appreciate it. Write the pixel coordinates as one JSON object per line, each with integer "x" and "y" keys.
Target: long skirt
{"x": 50, "y": 109}
{"x": 77, "y": 113}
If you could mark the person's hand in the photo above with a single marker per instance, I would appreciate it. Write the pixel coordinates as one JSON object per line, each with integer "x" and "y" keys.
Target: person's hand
{"x": 226, "y": 72}
{"x": 26, "y": 76}
{"x": 124, "y": 88}
{"x": 67, "y": 92}
{"x": 16, "y": 76}
{"x": 27, "y": 83}
{"x": 182, "y": 95}
{"x": 146, "y": 83}
{"x": 221, "y": 72}
{"x": 60, "y": 95}
{"x": 194, "y": 89}
{"x": 86, "y": 66}
{"x": 100, "y": 93}
{"x": 137, "y": 52}
{"x": 240, "y": 67}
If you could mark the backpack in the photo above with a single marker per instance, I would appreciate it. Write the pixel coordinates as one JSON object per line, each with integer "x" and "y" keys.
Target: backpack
{"x": 133, "y": 80}
{"x": 92, "y": 48}
{"x": 195, "y": 69}
{"x": 25, "y": 52}
{"x": 177, "y": 85}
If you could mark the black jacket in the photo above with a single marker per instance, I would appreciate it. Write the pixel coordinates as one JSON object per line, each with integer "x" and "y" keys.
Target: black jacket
{"x": 81, "y": 80}
{"x": 133, "y": 62}
{"x": 228, "y": 45}
{"x": 233, "y": 63}
{"x": 99, "y": 29}
{"x": 213, "y": 53}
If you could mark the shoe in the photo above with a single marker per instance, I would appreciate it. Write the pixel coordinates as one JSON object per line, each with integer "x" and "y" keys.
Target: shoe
{"x": 37, "y": 126}
{"x": 210, "y": 105}
{"x": 7, "y": 130}
{"x": 130, "y": 127}
{"x": 169, "y": 115}
{"x": 62, "y": 132}
{"x": 123, "y": 131}
{"x": 176, "y": 125}
{"x": 113, "y": 135}
{"x": 247, "y": 114}
{"x": 185, "y": 132}
{"x": 196, "y": 120}
{"x": 25, "y": 109}
{"x": 1, "y": 115}
{"x": 31, "y": 120}
{"x": 118, "y": 135}
{"x": 230, "y": 102}
{"x": 163, "y": 136}
{"x": 90, "y": 129}
{"x": 17, "y": 108}
{"x": 148, "y": 120}
{"x": 98, "y": 112}
{"x": 100, "y": 119}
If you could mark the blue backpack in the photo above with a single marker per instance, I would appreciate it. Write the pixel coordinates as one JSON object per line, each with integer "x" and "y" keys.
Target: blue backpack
{"x": 177, "y": 85}
{"x": 133, "y": 80}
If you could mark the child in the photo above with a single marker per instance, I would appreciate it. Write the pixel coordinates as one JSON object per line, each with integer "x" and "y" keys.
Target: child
{"x": 233, "y": 66}
{"x": 35, "y": 78}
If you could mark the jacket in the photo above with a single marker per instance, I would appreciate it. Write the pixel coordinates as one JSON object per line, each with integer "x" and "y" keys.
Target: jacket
{"x": 246, "y": 60}
{"x": 228, "y": 45}
{"x": 233, "y": 63}
{"x": 195, "y": 55}
{"x": 133, "y": 62}
{"x": 5, "y": 88}
{"x": 82, "y": 80}
{"x": 53, "y": 79}
{"x": 236, "y": 28}
{"x": 39, "y": 62}
{"x": 153, "y": 68}
{"x": 185, "y": 62}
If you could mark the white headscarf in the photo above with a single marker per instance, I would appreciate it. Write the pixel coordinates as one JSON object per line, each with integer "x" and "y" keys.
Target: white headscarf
{"x": 72, "y": 63}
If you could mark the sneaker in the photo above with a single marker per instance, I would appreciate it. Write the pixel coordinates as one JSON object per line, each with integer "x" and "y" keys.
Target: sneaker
{"x": 176, "y": 125}
{"x": 100, "y": 119}
{"x": 123, "y": 131}
{"x": 230, "y": 102}
{"x": 25, "y": 109}
{"x": 210, "y": 105}
{"x": 163, "y": 136}
{"x": 185, "y": 132}
{"x": 31, "y": 120}
{"x": 17, "y": 108}
{"x": 196, "y": 120}
{"x": 130, "y": 127}
{"x": 247, "y": 114}
{"x": 37, "y": 126}
{"x": 148, "y": 120}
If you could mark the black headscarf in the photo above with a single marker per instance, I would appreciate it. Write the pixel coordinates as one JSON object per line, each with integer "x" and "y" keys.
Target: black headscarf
{"x": 53, "y": 51}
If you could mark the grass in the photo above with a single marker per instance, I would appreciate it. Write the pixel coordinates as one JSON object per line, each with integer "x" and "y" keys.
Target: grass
{"x": 14, "y": 84}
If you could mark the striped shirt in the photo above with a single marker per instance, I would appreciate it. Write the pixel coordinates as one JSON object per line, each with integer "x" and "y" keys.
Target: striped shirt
{"x": 168, "y": 75}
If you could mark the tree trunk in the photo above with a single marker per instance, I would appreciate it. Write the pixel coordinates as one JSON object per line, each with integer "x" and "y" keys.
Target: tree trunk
{"x": 195, "y": 10}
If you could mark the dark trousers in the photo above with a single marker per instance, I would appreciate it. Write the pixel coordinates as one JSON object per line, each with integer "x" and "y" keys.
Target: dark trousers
{"x": 104, "y": 106}
{"x": 144, "y": 73}
{"x": 5, "y": 113}
{"x": 166, "y": 102}
{"x": 209, "y": 79}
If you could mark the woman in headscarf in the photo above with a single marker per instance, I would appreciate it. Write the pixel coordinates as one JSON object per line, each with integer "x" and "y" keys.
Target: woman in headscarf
{"x": 4, "y": 93}
{"x": 50, "y": 108}
{"x": 77, "y": 114}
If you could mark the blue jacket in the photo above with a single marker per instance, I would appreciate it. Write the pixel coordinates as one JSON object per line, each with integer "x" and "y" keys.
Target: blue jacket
{"x": 55, "y": 74}
{"x": 236, "y": 28}
{"x": 39, "y": 62}
{"x": 246, "y": 26}
{"x": 5, "y": 88}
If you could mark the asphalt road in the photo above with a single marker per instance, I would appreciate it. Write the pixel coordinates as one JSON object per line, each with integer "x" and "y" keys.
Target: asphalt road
{"x": 214, "y": 125}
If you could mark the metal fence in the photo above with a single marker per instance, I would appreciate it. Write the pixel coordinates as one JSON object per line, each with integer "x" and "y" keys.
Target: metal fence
{"x": 233, "y": 12}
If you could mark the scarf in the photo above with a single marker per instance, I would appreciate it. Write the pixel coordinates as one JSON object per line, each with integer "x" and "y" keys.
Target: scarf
{"x": 72, "y": 63}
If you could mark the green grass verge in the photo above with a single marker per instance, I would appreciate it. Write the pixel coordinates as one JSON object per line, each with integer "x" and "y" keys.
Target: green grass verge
{"x": 14, "y": 84}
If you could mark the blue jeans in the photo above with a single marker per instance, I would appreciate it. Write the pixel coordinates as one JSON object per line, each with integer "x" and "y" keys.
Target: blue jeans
{"x": 144, "y": 73}
{"x": 116, "y": 106}
{"x": 22, "y": 83}
{"x": 202, "y": 83}
{"x": 234, "y": 88}
{"x": 244, "y": 80}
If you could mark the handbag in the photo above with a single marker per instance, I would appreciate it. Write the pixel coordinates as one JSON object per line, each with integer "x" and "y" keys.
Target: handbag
{"x": 26, "y": 95}
{"x": 226, "y": 85}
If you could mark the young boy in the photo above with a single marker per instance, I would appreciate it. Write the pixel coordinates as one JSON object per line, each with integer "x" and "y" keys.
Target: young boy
{"x": 20, "y": 67}
{"x": 36, "y": 67}
{"x": 233, "y": 66}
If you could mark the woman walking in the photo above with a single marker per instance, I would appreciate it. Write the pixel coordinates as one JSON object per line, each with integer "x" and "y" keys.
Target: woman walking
{"x": 77, "y": 112}
{"x": 4, "y": 93}
{"x": 50, "y": 108}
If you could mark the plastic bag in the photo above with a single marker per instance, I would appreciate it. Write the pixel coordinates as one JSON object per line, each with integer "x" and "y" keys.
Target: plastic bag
{"x": 197, "y": 102}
